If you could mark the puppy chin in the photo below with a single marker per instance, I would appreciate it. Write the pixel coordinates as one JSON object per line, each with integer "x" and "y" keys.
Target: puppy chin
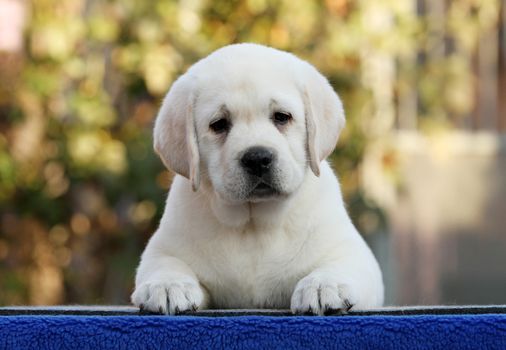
{"x": 235, "y": 203}
{"x": 231, "y": 214}
{"x": 234, "y": 209}
{"x": 264, "y": 210}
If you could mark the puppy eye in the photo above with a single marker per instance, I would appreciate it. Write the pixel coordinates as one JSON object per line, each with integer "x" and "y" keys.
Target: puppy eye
{"x": 281, "y": 118}
{"x": 220, "y": 126}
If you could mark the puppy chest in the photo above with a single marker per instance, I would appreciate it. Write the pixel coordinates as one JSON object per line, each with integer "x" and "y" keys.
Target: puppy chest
{"x": 250, "y": 277}
{"x": 249, "y": 286}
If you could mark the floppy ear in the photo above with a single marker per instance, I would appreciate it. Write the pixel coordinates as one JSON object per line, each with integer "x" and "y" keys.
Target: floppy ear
{"x": 324, "y": 117}
{"x": 175, "y": 137}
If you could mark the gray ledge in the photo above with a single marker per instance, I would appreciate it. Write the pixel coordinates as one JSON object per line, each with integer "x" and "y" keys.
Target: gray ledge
{"x": 97, "y": 310}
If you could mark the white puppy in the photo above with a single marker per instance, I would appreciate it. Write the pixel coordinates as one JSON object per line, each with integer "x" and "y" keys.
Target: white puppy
{"x": 255, "y": 218}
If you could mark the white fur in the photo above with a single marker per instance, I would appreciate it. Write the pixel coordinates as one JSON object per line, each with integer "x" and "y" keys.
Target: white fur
{"x": 220, "y": 246}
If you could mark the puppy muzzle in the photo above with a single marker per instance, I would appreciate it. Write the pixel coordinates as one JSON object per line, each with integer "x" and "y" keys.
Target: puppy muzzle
{"x": 258, "y": 163}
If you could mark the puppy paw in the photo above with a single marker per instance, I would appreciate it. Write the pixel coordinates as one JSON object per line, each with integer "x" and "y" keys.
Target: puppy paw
{"x": 172, "y": 297}
{"x": 321, "y": 296}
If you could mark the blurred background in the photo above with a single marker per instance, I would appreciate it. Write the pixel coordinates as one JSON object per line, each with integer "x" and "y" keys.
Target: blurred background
{"x": 422, "y": 161}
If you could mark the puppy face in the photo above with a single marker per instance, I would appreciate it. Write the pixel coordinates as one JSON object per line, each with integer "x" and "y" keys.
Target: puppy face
{"x": 252, "y": 135}
{"x": 250, "y": 119}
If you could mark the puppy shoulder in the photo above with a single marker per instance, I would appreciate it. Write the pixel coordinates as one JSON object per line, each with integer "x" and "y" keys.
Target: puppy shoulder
{"x": 184, "y": 208}
{"x": 328, "y": 173}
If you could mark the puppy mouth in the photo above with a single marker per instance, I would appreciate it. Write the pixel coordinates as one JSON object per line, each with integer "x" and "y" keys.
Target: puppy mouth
{"x": 263, "y": 189}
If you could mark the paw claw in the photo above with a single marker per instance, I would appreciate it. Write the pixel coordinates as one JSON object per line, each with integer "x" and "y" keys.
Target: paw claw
{"x": 320, "y": 295}
{"x": 174, "y": 297}
{"x": 347, "y": 305}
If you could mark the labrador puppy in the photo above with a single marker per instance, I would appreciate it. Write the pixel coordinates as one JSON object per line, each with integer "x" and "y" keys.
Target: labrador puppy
{"x": 255, "y": 217}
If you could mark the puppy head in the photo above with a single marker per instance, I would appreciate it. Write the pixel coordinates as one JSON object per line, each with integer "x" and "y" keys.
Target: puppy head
{"x": 251, "y": 120}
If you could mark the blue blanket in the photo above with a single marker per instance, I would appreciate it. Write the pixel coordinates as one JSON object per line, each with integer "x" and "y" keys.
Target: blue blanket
{"x": 254, "y": 332}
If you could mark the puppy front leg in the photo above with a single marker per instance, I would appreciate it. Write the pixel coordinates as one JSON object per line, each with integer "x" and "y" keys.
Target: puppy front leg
{"x": 336, "y": 288}
{"x": 167, "y": 285}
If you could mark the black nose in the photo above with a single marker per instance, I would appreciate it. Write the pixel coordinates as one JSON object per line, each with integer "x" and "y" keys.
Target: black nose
{"x": 257, "y": 160}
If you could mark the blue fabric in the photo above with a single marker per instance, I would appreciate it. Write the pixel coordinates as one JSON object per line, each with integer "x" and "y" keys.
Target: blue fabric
{"x": 253, "y": 332}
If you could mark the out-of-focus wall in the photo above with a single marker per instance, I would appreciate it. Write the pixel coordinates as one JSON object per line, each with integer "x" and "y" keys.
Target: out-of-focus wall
{"x": 447, "y": 211}
{"x": 439, "y": 169}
